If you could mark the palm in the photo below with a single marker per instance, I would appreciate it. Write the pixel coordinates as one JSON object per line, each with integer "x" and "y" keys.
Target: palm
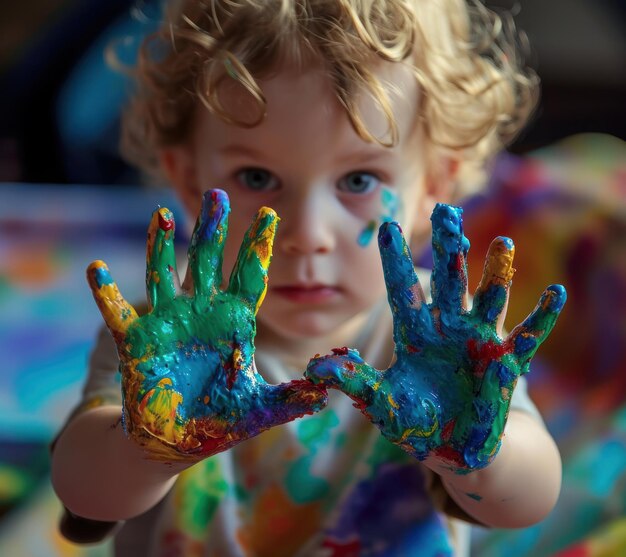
{"x": 448, "y": 392}
{"x": 188, "y": 373}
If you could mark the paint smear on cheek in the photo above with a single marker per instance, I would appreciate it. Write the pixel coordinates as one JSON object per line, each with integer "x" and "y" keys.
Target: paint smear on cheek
{"x": 390, "y": 209}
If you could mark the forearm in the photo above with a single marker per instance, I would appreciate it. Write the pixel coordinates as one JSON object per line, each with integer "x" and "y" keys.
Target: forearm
{"x": 522, "y": 484}
{"x": 99, "y": 473}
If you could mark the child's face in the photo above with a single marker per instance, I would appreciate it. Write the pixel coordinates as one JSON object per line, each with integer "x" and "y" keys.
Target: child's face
{"x": 328, "y": 186}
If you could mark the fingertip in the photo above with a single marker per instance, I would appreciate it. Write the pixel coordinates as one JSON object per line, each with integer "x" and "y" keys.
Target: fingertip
{"x": 215, "y": 208}
{"x": 351, "y": 353}
{"x": 390, "y": 236}
{"x": 165, "y": 219}
{"x": 554, "y": 298}
{"x": 386, "y": 226}
{"x": 215, "y": 196}
{"x": 98, "y": 274}
{"x": 447, "y": 228}
{"x": 503, "y": 244}
{"x": 499, "y": 263}
{"x": 264, "y": 225}
{"x": 315, "y": 395}
{"x": 447, "y": 215}
{"x": 268, "y": 213}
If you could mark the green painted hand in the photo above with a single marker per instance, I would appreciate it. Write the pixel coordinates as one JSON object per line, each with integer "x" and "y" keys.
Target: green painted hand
{"x": 189, "y": 382}
{"x": 448, "y": 392}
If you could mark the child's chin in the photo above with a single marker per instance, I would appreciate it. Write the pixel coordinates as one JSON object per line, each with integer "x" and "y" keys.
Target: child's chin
{"x": 302, "y": 327}
{"x": 307, "y": 326}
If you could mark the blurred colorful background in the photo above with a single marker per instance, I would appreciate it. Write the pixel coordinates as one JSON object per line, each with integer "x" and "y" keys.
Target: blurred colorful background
{"x": 559, "y": 192}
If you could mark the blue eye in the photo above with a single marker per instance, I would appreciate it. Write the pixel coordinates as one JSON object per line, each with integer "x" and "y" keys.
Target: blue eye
{"x": 358, "y": 182}
{"x": 257, "y": 179}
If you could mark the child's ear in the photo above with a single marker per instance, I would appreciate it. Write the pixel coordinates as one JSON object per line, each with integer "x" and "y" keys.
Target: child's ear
{"x": 439, "y": 187}
{"x": 178, "y": 166}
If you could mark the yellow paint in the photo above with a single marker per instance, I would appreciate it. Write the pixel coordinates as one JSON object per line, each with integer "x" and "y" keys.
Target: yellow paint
{"x": 498, "y": 265}
{"x": 237, "y": 358}
{"x": 276, "y": 517}
{"x": 263, "y": 248}
{"x": 419, "y": 432}
{"x": 116, "y": 311}
{"x": 158, "y": 410}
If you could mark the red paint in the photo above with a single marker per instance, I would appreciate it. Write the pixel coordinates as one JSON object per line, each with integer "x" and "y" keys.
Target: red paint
{"x": 446, "y": 434}
{"x": 350, "y": 548}
{"x": 458, "y": 264}
{"x": 231, "y": 377}
{"x": 340, "y": 351}
{"x": 483, "y": 353}
{"x": 304, "y": 388}
{"x": 450, "y": 455}
{"x": 165, "y": 224}
{"x": 175, "y": 543}
{"x": 230, "y": 370}
{"x": 574, "y": 551}
{"x": 361, "y": 406}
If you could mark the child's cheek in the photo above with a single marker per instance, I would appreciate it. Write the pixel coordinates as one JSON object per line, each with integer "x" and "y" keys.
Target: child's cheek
{"x": 389, "y": 209}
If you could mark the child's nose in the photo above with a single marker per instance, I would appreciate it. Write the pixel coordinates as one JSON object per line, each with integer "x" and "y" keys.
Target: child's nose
{"x": 307, "y": 225}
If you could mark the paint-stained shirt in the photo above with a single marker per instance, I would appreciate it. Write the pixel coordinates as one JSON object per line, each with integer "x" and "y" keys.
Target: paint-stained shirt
{"x": 326, "y": 485}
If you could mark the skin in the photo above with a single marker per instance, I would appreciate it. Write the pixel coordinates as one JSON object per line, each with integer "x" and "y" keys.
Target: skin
{"x": 447, "y": 395}
{"x": 189, "y": 382}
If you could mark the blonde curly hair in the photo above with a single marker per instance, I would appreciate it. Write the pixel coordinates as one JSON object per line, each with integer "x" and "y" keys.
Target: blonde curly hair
{"x": 476, "y": 91}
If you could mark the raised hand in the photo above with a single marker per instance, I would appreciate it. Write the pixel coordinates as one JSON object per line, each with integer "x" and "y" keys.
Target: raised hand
{"x": 189, "y": 382}
{"x": 447, "y": 394}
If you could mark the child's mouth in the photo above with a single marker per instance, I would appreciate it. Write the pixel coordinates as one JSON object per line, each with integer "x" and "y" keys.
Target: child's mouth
{"x": 307, "y": 294}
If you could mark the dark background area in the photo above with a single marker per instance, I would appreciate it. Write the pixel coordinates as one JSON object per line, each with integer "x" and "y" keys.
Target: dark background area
{"x": 578, "y": 48}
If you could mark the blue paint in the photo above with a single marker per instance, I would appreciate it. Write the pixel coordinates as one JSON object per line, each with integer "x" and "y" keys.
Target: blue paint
{"x": 103, "y": 277}
{"x": 447, "y": 395}
{"x": 390, "y": 202}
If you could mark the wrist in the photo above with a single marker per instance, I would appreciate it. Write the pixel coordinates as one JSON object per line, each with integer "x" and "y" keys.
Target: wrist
{"x": 521, "y": 484}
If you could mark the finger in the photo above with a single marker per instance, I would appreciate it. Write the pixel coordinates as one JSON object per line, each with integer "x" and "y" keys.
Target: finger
{"x": 288, "y": 401}
{"x": 492, "y": 293}
{"x": 492, "y": 408}
{"x": 117, "y": 313}
{"x": 206, "y": 249}
{"x": 345, "y": 370}
{"x": 526, "y": 337}
{"x": 161, "y": 273}
{"x": 404, "y": 291}
{"x": 450, "y": 247}
{"x": 248, "y": 280}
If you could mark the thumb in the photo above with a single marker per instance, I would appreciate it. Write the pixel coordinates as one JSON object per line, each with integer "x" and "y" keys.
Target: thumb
{"x": 345, "y": 370}
{"x": 279, "y": 404}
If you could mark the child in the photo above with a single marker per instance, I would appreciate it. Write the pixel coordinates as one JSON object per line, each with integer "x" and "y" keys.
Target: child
{"x": 340, "y": 115}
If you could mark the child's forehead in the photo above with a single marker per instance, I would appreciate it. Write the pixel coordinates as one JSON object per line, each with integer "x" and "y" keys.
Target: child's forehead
{"x": 304, "y": 121}
{"x": 281, "y": 83}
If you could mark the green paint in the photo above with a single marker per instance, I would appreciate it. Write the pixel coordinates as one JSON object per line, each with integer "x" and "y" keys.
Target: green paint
{"x": 474, "y": 496}
{"x": 191, "y": 356}
{"x": 198, "y": 494}
{"x": 161, "y": 261}
{"x": 314, "y": 433}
